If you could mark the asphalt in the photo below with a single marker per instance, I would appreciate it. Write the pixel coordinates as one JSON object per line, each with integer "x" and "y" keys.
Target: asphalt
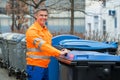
{"x": 4, "y": 75}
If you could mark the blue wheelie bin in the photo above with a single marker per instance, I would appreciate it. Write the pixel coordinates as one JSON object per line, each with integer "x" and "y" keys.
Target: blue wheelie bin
{"x": 54, "y": 64}
{"x": 89, "y": 65}
{"x": 89, "y": 60}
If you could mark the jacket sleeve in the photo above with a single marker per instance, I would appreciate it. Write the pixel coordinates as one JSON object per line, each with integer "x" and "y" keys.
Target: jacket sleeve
{"x": 50, "y": 49}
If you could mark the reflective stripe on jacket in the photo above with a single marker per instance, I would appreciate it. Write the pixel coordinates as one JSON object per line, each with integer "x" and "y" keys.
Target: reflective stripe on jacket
{"x": 38, "y": 41}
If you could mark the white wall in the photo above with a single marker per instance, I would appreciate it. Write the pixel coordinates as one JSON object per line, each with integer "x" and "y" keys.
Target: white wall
{"x": 110, "y": 20}
{"x": 67, "y": 14}
{"x": 96, "y": 8}
{"x": 93, "y": 8}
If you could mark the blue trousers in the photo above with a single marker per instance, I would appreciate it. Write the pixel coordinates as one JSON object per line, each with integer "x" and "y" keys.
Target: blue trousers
{"x": 37, "y": 73}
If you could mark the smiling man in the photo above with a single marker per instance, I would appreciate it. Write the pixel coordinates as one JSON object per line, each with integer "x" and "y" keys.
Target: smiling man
{"x": 39, "y": 48}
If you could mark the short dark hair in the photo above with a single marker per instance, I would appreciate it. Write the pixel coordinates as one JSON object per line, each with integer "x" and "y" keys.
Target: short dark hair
{"x": 41, "y": 8}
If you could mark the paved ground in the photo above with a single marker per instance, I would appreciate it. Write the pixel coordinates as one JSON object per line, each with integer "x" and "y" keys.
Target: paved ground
{"x": 4, "y": 75}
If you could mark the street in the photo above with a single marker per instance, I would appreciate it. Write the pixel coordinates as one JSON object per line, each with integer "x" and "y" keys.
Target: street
{"x": 4, "y": 75}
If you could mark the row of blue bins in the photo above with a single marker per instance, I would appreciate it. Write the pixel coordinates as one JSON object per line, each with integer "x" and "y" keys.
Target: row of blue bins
{"x": 87, "y": 59}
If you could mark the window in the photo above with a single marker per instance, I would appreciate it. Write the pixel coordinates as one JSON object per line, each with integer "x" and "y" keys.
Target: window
{"x": 96, "y": 21}
{"x": 104, "y": 27}
{"x": 89, "y": 27}
{"x": 115, "y": 22}
{"x": 2, "y": 10}
{"x": 104, "y": 3}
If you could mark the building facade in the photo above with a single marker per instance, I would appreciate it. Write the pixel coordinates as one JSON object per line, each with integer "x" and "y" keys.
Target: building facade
{"x": 93, "y": 19}
{"x": 2, "y": 6}
{"x": 111, "y": 18}
{"x": 102, "y": 19}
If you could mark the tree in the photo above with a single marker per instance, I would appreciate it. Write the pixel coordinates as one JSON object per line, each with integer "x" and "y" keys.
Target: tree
{"x": 67, "y": 5}
{"x": 33, "y": 4}
{"x": 59, "y": 6}
{"x": 56, "y": 5}
{"x": 17, "y": 10}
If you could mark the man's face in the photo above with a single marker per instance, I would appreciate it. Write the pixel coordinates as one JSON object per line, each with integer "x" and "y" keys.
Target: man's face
{"x": 42, "y": 17}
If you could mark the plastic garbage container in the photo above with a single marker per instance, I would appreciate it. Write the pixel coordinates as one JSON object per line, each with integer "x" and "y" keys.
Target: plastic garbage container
{"x": 14, "y": 53}
{"x": 22, "y": 67}
{"x": 1, "y": 47}
{"x": 21, "y": 74}
{"x": 89, "y": 65}
{"x": 4, "y": 50}
{"x": 54, "y": 64}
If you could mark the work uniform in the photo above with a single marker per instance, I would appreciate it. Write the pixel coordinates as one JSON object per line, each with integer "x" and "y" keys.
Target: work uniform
{"x": 39, "y": 50}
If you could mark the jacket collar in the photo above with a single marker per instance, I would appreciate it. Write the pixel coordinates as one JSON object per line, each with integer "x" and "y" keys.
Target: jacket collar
{"x": 39, "y": 26}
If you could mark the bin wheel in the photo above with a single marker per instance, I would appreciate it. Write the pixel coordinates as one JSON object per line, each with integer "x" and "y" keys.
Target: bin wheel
{"x": 1, "y": 65}
{"x": 5, "y": 65}
{"x": 18, "y": 74}
{"x": 9, "y": 73}
{"x": 23, "y": 75}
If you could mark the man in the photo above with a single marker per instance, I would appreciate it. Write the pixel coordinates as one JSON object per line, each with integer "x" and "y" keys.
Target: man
{"x": 39, "y": 49}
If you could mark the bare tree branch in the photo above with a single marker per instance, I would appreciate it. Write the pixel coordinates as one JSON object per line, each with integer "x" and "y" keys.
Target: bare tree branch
{"x": 33, "y": 3}
{"x": 27, "y": 3}
{"x": 54, "y": 3}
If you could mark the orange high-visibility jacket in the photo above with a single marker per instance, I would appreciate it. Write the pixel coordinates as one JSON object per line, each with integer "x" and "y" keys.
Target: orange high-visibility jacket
{"x": 38, "y": 42}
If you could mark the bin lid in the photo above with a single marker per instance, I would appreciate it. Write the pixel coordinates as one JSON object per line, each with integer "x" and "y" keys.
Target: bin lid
{"x": 3, "y": 35}
{"x": 16, "y": 37}
{"x": 23, "y": 40}
{"x": 58, "y": 38}
{"x": 91, "y": 56}
{"x": 23, "y": 43}
{"x": 8, "y": 37}
{"x": 85, "y": 44}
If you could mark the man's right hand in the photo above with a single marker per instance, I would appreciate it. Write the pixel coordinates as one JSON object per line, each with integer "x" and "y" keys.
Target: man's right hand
{"x": 64, "y": 51}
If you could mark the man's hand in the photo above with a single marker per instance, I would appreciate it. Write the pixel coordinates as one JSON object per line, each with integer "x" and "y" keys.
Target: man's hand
{"x": 64, "y": 51}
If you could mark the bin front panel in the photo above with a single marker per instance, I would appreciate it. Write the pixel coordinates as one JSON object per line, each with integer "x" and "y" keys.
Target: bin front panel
{"x": 89, "y": 65}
